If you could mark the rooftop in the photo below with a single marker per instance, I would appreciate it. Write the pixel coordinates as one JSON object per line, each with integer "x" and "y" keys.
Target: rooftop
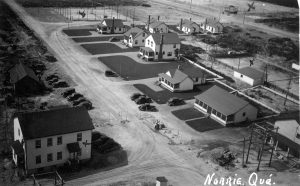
{"x": 168, "y": 38}
{"x": 155, "y": 24}
{"x": 134, "y": 31}
{"x": 117, "y": 22}
{"x": 19, "y": 71}
{"x": 251, "y": 72}
{"x": 54, "y": 122}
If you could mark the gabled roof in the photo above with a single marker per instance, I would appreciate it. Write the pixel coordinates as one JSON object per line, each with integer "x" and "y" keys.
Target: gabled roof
{"x": 179, "y": 75}
{"x": 20, "y": 71}
{"x": 156, "y": 24}
{"x": 117, "y": 22}
{"x": 251, "y": 72}
{"x": 213, "y": 22}
{"x": 222, "y": 101}
{"x": 54, "y": 122}
{"x": 135, "y": 31}
{"x": 189, "y": 24}
{"x": 169, "y": 38}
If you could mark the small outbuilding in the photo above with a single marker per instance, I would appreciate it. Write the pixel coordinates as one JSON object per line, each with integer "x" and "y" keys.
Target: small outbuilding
{"x": 224, "y": 107}
{"x": 188, "y": 26}
{"x": 250, "y": 76}
{"x": 212, "y": 25}
{"x": 111, "y": 26}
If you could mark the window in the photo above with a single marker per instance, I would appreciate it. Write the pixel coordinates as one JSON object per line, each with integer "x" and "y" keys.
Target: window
{"x": 223, "y": 117}
{"x": 19, "y": 133}
{"x": 38, "y": 159}
{"x": 204, "y": 105}
{"x": 241, "y": 75}
{"x": 156, "y": 53}
{"x": 298, "y": 135}
{"x": 37, "y": 144}
{"x": 214, "y": 111}
{"x": 148, "y": 42}
{"x": 201, "y": 103}
{"x": 136, "y": 42}
{"x": 79, "y": 153}
{"x": 120, "y": 29}
{"x": 59, "y": 140}
{"x": 163, "y": 52}
{"x": 143, "y": 41}
{"x": 176, "y": 85}
{"x": 196, "y": 79}
{"x": 49, "y": 142}
{"x": 169, "y": 54}
{"x": 174, "y": 46}
{"x": 79, "y": 136}
{"x": 151, "y": 43}
{"x": 49, "y": 157}
{"x": 59, "y": 155}
{"x": 244, "y": 113}
{"x": 143, "y": 35}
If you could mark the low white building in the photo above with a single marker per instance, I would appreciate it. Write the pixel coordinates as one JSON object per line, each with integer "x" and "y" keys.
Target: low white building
{"x": 224, "y": 107}
{"x": 178, "y": 80}
{"x": 249, "y": 75}
{"x": 135, "y": 37}
{"x": 295, "y": 66}
{"x": 188, "y": 26}
{"x": 161, "y": 47}
{"x": 45, "y": 139}
{"x": 111, "y": 26}
{"x": 212, "y": 25}
{"x": 156, "y": 26}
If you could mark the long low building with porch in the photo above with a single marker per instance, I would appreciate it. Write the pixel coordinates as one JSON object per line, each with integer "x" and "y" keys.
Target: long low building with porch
{"x": 224, "y": 107}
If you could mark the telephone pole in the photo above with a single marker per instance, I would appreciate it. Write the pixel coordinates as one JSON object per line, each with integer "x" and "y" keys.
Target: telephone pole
{"x": 288, "y": 89}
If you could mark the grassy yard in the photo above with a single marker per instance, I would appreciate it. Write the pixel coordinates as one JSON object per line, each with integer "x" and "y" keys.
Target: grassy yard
{"x": 129, "y": 69}
{"x": 187, "y": 114}
{"x": 78, "y": 32}
{"x": 94, "y": 39}
{"x": 204, "y": 124}
{"x": 106, "y": 48}
{"x": 161, "y": 97}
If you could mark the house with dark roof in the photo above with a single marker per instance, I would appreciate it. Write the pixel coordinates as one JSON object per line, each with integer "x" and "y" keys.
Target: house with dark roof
{"x": 159, "y": 47}
{"x": 188, "y": 26}
{"x": 156, "y": 26}
{"x": 249, "y": 75}
{"x": 24, "y": 80}
{"x": 111, "y": 26}
{"x": 45, "y": 139}
{"x": 224, "y": 107}
{"x": 212, "y": 25}
{"x": 182, "y": 79}
{"x": 135, "y": 37}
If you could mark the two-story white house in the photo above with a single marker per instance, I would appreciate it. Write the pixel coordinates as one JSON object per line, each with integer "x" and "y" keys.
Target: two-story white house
{"x": 212, "y": 25}
{"x": 159, "y": 47}
{"x": 135, "y": 37}
{"x": 182, "y": 79}
{"x": 188, "y": 26}
{"x": 111, "y": 26}
{"x": 46, "y": 139}
{"x": 156, "y": 26}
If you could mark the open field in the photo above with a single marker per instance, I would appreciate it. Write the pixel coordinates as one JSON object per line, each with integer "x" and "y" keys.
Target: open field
{"x": 106, "y": 48}
{"x": 187, "y": 114}
{"x": 94, "y": 39}
{"x": 204, "y": 124}
{"x": 129, "y": 69}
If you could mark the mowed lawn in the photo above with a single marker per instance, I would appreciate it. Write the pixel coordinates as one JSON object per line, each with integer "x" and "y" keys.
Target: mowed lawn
{"x": 161, "y": 97}
{"x": 106, "y": 48}
{"x": 78, "y": 32}
{"x": 204, "y": 124}
{"x": 129, "y": 69}
{"x": 95, "y": 39}
{"x": 187, "y": 114}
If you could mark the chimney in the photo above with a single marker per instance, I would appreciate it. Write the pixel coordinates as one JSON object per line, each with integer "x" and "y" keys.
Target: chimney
{"x": 112, "y": 31}
{"x": 148, "y": 22}
{"x": 158, "y": 18}
{"x": 181, "y": 24}
{"x": 160, "y": 53}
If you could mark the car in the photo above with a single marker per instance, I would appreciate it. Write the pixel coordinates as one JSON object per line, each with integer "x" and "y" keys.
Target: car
{"x": 175, "y": 101}
{"x": 135, "y": 96}
{"x": 78, "y": 101}
{"x": 53, "y": 80}
{"x": 74, "y": 96}
{"x": 87, "y": 104}
{"x": 60, "y": 84}
{"x": 109, "y": 73}
{"x": 51, "y": 77}
{"x": 68, "y": 92}
{"x": 142, "y": 100}
{"x": 147, "y": 107}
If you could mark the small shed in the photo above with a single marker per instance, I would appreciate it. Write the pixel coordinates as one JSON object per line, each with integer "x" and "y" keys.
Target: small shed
{"x": 161, "y": 181}
{"x": 249, "y": 75}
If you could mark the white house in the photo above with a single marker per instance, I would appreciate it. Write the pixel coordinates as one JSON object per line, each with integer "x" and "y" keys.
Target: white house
{"x": 45, "y": 139}
{"x": 188, "y": 26}
{"x": 111, "y": 26}
{"x": 135, "y": 37}
{"x": 212, "y": 25}
{"x": 157, "y": 26}
{"x": 249, "y": 75}
{"x": 177, "y": 80}
{"x": 224, "y": 107}
{"x": 295, "y": 66}
{"x": 161, "y": 47}
{"x": 161, "y": 181}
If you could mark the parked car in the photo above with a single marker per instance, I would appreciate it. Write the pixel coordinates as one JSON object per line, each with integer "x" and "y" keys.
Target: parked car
{"x": 87, "y": 104}
{"x": 51, "y": 77}
{"x": 68, "y": 92}
{"x": 78, "y": 101}
{"x": 135, "y": 96}
{"x": 74, "y": 96}
{"x": 175, "y": 101}
{"x": 147, "y": 107}
{"x": 60, "y": 84}
{"x": 53, "y": 80}
{"x": 109, "y": 73}
{"x": 142, "y": 100}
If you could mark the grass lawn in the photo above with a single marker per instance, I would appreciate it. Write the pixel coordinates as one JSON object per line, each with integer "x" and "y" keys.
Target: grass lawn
{"x": 78, "y": 32}
{"x": 187, "y": 114}
{"x": 129, "y": 69}
{"x": 94, "y": 39}
{"x": 163, "y": 96}
{"x": 204, "y": 124}
{"x": 106, "y": 48}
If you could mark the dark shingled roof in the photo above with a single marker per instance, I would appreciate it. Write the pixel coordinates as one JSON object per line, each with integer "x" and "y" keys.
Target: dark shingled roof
{"x": 189, "y": 24}
{"x": 222, "y": 101}
{"x": 20, "y": 71}
{"x": 161, "y": 179}
{"x": 117, "y": 22}
{"x": 169, "y": 38}
{"x": 155, "y": 24}
{"x": 134, "y": 31}
{"x": 251, "y": 72}
{"x": 54, "y": 122}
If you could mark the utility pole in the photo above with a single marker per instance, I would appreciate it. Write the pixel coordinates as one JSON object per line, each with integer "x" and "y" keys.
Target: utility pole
{"x": 244, "y": 16}
{"x": 288, "y": 89}
{"x": 239, "y": 63}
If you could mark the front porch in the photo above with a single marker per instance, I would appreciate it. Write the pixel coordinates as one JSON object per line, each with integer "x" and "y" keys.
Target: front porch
{"x": 147, "y": 53}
